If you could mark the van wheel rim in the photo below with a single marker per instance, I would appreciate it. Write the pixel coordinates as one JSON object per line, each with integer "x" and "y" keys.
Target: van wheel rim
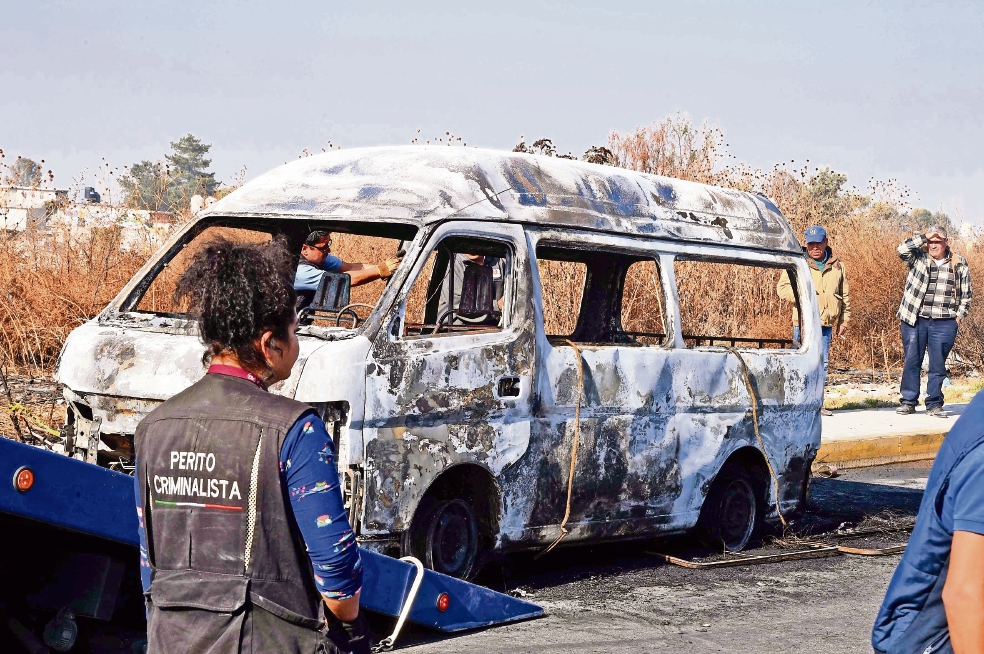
{"x": 452, "y": 539}
{"x": 737, "y": 515}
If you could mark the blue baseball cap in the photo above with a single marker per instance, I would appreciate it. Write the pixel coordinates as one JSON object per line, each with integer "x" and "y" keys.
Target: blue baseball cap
{"x": 815, "y": 234}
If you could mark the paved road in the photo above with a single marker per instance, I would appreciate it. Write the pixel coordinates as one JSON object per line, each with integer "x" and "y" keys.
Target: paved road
{"x": 620, "y": 598}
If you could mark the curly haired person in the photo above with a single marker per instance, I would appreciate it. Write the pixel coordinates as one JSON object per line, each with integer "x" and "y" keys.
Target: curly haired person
{"x": 245, "y": 542}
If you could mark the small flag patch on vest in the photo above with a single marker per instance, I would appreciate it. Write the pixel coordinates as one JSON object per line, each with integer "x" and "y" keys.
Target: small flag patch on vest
{"x": 198, "y": 505}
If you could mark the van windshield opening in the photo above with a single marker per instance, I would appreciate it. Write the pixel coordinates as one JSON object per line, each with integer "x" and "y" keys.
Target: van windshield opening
{"x": 368, "y": 254}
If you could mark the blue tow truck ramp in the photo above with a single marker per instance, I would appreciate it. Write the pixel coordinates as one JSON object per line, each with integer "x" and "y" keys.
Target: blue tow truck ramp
{"x": 73, "y": 527}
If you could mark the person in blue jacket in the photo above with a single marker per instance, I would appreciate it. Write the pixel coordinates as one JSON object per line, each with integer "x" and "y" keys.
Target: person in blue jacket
{"x": 935, "y": 601}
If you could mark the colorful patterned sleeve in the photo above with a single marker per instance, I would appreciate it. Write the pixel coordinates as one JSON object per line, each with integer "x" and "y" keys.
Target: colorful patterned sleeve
{"x": 142, "y": 528}
{"x": 309, "y": 474}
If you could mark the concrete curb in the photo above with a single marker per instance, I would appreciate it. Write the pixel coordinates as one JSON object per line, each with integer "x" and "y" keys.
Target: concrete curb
{"x": 880, "y": 450}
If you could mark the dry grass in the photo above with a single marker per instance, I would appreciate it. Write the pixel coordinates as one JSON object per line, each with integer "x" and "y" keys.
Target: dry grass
{"x": 53, "y": 282}
{"x": 849, "y": 396}
{"x": 563, "y": 282}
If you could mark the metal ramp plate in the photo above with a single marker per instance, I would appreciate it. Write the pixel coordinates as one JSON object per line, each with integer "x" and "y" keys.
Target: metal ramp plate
{"x": 68, "y": 493}
{"x": 83, "y": 497}
{"x": 386, "y": 582}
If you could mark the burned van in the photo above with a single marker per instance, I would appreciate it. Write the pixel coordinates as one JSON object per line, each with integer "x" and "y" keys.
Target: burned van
{"x": 567, "y": 351}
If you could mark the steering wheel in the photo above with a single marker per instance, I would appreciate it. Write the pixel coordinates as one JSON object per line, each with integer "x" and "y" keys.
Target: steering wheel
{"x": 348, "y": 309}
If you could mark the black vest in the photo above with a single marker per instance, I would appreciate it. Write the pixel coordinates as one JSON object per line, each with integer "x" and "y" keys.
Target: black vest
{"x": 221, "y": 537}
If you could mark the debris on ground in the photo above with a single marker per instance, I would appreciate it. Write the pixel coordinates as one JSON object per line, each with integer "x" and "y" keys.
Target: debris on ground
{"x": 33, "y": 408}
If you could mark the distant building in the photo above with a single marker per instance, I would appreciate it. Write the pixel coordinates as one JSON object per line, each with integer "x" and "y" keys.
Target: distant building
{"x": 26, "y": 206}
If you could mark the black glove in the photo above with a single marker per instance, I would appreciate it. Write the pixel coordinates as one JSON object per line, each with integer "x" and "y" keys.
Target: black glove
{"x": 355, "y": 637}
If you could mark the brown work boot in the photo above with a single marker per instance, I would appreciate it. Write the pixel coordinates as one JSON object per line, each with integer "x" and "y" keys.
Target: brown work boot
{"x": 937, "y": 412}
{"x": 905, "y": 409}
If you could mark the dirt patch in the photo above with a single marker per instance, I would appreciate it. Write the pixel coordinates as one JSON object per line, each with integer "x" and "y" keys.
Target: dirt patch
{"x": 858, "y": 389}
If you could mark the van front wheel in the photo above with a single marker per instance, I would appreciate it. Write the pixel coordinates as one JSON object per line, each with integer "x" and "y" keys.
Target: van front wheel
{"x": 730, "y": 515}
{"x": 444, "y": 536}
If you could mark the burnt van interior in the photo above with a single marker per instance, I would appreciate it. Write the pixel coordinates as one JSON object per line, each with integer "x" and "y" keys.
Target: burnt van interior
{"x": 463, "y": 288}
{"x": 617, "y": 298}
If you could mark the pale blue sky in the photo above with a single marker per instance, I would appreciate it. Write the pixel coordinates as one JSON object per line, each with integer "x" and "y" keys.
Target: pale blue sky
{"x": 872, "y": 89}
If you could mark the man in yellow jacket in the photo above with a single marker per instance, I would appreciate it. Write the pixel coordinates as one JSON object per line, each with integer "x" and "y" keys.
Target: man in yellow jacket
{"x": 830, "y": 282}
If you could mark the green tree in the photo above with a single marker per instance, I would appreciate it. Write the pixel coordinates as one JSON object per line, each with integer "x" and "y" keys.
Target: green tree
{"x": 146, "y": 186}
{"x": 169, "y": 185}
{"x": 24, "y": 172}
{"x": 922, "y": 219}
{"x": 188, "y": 170}
{"x": 825, "y": 197}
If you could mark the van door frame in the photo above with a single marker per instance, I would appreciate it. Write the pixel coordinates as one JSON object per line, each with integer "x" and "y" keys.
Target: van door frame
{"x": 405, "y": 391}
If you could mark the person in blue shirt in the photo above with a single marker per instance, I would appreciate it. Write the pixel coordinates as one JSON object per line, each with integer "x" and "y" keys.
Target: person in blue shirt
{"x": 935, "y": 601}
{"x": 316, "y": 260}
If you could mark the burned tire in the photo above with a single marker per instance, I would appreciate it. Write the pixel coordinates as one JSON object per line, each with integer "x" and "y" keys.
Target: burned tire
{"x": 444, "y": 536}
{"x": 730, "y": 516}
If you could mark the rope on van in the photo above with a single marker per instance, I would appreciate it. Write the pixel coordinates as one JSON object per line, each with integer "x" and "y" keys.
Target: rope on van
{"x": 758, "y": 434}
{"x": 577, "y": 437}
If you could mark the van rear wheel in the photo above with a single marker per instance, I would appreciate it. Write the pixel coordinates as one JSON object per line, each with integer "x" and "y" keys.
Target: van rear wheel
{"x": 730, "y": 515}
{"x": 444, "y": 536}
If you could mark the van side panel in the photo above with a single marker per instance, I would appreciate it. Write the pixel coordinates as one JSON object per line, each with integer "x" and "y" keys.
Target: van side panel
{"x": 657, "y": 423}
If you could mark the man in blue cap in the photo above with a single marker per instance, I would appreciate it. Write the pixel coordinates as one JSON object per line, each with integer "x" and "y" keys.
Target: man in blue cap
{"x": 833, "y": 292}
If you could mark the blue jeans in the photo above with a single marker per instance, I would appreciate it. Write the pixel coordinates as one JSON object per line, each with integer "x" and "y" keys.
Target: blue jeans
{"x": 826, "y": 333}
{"x": 937, "y": 336}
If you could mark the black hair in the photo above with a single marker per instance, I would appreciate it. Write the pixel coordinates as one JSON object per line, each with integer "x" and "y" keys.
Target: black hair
{"x": 315, "y": 236}
{"x": 238, "y": 291}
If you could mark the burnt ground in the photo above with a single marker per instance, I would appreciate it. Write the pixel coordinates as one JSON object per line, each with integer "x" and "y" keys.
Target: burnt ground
{"x": 623, "y": 597}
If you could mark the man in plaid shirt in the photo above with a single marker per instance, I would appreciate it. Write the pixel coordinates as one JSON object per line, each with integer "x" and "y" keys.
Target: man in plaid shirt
{"x": 937, "y": 297}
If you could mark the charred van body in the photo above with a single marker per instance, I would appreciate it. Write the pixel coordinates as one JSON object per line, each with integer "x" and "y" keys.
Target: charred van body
{"x": 455, "y": 429}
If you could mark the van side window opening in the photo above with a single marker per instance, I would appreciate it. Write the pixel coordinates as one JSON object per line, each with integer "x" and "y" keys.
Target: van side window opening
{"x": 601, "y": 298}
{"x": 561, "y": 287}
{"x": 733, "y": 304}
{"x": 463, "y": 288}
{"x": 643, "y": 315}
{"x": 359, "y": 248}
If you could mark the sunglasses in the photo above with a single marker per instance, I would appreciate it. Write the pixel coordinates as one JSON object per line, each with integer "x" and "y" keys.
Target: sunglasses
{"x": 322, "y": 248}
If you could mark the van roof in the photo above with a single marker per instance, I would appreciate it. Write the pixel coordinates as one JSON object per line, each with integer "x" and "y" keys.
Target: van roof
{"x": 423, "y": 184}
